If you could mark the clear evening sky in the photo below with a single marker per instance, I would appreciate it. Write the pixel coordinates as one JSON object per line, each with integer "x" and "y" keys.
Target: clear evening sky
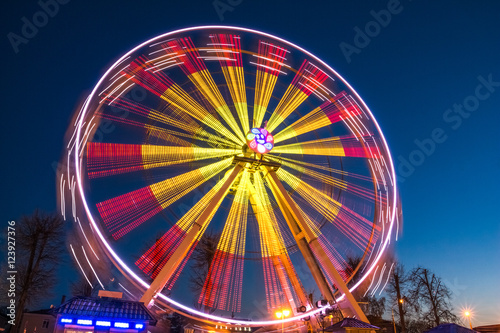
{"x": 429, "y": 71}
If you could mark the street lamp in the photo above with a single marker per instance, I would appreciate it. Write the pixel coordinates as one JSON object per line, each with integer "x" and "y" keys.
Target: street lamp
{"x": 282, "y": 315}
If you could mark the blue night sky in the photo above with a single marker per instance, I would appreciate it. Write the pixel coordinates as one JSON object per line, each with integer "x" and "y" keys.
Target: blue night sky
{"x": 430, "y": 73}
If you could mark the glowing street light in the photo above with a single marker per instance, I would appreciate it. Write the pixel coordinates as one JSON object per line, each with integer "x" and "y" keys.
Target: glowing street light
{"x": 282, "y": 315}
{"x": 468, "y": 315}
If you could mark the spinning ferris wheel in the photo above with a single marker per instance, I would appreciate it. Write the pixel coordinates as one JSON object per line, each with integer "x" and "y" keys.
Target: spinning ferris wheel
{"x": 250, "y": 139}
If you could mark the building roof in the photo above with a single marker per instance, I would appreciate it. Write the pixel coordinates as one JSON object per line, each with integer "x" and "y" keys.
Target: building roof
{"x": 450, "y": 328}
{"x": 108, "y": 308}
{"x": 350, "y": 323}
{"x": 488, "y": 328}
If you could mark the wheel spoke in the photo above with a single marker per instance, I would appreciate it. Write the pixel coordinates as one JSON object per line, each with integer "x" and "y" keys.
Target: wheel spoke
{"x": 275, "y": 259}
{"x": 192, "y": 64}
{"x": 346, "y": 145}
{"x": 333, "y": 110}
{"x": 310, "y": 247}
{"x": 105, "y": 159}
{"x": 204, "y": 212}
{"x": 307, "y": 80}
{"x": 142, "y": 73}
{"x": 223, "y": 285}
{"x": 340, "y": 184}
{"x": 124, "y": 213}
{"x": 179, "y": 120}
{"x": 228, "y": 51}
{"x": 355, "y": 227}
{"x": 321, "y": 167}
{"x": 270, "y": 59}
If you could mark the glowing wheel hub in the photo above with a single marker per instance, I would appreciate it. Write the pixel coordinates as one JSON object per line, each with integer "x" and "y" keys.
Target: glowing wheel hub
{"x": 260, "y": 140}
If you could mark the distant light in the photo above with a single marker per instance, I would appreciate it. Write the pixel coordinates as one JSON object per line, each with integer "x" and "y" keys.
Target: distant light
{"x": 139, "y": 326}
{"x": 286, "y": 312}
{"x": 122, "y": 325}
{"x": 401, "y": 301}
{"x": 279, "y": 314}
{"x": 467, "y": 313}
{"x": 84, "y": 322}
{"x": 66, "y": 320}
{"x": 103, "y": 323}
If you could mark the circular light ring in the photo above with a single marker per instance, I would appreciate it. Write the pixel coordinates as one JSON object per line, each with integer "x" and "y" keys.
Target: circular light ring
{"x": 80, "y": 141}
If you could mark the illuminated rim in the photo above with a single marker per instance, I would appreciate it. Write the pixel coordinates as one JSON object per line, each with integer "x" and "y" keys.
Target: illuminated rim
{"x": 80, "y": 123}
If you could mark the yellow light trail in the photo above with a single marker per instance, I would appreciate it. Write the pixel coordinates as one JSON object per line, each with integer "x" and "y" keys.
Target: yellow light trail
{"x": 333, "y": 110}
{"x": 229, "y": 51}
{"x": 272, "y": 243}
{"x": 187, "y": 221}
{"x": 325, "y": 147}
{"x": 223, "y": 284}
{"x": 170, "y": 190}
{"x": 205, "y": 83}
{"x": 236, "y": 84}
{"x": 234, "y": 234}
{"x": 104, "y": 159}
{"x": 187, "y": 124}
{"x": 264, "y": 86}
{"x": 310, "y": 122}
{"x": 308, "y": 78}
{"x": 270, "y": 59}
{"x": 292, "y": 98}
{"x": 354, "y": 228}
{"x": 183, "y": 101}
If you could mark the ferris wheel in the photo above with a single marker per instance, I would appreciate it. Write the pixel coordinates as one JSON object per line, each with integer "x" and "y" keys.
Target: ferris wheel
{"x": 229, "y": 174}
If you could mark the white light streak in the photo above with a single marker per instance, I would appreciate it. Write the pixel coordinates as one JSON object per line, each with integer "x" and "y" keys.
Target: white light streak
{"x": 92, "y": 267}
{"x": 85, "y": 275}
{"x": 273, "y": 69}
{"x": 84, "y": 235}
{"x": 271, "y": 60}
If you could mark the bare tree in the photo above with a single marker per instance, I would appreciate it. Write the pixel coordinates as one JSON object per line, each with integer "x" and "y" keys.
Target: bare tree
{"x": 39, "y": 240}
{"x": 397, "y": 290}
{"x": 372, "y": 306}
{"x": 432, "y": 295}
{"x": 202, "y": 258}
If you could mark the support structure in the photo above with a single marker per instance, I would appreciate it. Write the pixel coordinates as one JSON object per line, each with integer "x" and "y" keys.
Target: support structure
{"x": 282, "y": 261}
{"x": 175, "y": 260}
{"x": 305, "y": 238}
{"x": 308, "y": 244}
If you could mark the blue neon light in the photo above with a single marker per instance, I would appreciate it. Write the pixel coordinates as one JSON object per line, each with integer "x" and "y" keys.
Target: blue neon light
{"x": 122, "y": 325}
{"x": 84, "y": 322}
{"x": 66, "y": 320}
{"x": 103, "y": 323}
{"x": 139, "y": 326}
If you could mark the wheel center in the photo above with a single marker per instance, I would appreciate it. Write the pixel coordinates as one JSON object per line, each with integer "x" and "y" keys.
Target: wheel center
{"x": 260, "y": 140}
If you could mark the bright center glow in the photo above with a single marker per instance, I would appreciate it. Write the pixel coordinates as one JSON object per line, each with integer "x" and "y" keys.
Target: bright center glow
{"x": 260, "y": 140}
{"x": 467, "y": 313}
